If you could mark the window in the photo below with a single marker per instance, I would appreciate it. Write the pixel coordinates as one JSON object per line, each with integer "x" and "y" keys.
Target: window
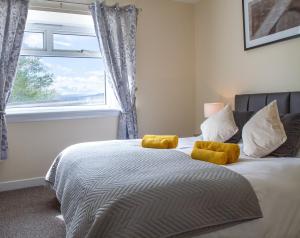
{"x": 75, "y": 43}
{"x": 60, "y": 63}
{"x": 33, "y": 40}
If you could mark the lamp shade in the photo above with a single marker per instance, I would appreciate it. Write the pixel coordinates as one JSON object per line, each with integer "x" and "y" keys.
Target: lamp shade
{"x": 212, "y": 108}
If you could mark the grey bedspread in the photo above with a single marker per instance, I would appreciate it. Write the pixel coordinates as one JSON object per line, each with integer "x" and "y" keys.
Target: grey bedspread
{"x": 114, "y": 189}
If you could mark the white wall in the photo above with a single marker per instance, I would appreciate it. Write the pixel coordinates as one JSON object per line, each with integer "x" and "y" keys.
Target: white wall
{"x": 224, "y": 69}
{"x": 165, "y": 68}
{"x": 165, "y": 97}
{"x": 34, "y": 145}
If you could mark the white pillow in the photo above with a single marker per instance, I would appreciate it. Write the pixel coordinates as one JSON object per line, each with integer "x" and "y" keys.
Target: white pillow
{"x": 220, "y": 126}
{"x": 264, "y": 132}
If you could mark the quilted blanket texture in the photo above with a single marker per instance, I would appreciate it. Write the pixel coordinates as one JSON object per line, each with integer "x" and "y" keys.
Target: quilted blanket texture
{"x": 116, "y": 189}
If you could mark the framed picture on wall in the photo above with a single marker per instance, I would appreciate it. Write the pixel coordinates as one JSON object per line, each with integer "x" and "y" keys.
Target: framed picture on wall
{"x": 270, "y": 21}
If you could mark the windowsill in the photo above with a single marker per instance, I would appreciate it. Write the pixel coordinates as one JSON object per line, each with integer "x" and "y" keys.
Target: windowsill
{"x": 16, "y": 115}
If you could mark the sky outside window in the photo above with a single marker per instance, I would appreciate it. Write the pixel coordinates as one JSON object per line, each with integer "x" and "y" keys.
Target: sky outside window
{"x": 75, "y": 42}
{"x": 76, "y": 76}
{"x": 33, "y": 40}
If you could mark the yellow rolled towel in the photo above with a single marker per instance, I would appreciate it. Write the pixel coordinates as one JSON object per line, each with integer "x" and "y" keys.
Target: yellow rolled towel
{"x": 156, "y": 141}
{"x": 232, "y": 150}
{"x": 210, "y": 156}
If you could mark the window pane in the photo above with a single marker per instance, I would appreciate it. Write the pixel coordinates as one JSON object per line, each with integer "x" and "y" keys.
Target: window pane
{"x": 58, "y": 81}
{"x": 33, "y": 40}
{"x": 75, "y": 42}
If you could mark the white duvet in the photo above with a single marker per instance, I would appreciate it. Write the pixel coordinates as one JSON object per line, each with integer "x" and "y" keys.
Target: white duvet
{"x": 276, "y": 182}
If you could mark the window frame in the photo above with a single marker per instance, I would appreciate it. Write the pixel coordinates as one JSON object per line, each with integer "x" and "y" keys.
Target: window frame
{"x": 27, "y": 114}
{"x": 48, "y": 31}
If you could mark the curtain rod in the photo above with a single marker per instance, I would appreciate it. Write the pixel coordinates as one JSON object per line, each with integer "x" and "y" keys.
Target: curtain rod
{"x": 77, "y": 3}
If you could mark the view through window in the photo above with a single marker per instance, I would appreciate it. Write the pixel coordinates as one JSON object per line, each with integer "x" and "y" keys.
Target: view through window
{"x": 60, "y": 63}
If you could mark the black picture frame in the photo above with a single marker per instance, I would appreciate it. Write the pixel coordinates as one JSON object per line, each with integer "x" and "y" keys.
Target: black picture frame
{"x": 271, "y": 41}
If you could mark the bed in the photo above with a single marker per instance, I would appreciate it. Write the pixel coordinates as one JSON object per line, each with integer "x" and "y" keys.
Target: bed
{"x": 273, "y": 181}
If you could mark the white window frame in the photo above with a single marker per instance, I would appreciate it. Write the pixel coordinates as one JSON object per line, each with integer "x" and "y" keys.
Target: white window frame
{"x": 15, "y": 115}
{"x": 48, "y": 50}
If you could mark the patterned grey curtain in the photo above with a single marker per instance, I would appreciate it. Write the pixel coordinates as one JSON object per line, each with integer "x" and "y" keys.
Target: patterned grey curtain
{"x": 13, "y": 14}
{"x": 116, "y": 31}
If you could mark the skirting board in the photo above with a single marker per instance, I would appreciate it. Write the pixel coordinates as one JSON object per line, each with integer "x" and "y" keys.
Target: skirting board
{"x": 19, "y": 184}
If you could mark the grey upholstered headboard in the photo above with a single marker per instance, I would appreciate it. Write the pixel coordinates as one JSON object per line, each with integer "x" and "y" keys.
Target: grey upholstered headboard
{"x": 288, "y": 102}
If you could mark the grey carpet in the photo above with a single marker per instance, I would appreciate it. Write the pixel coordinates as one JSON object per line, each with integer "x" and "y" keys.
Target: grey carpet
{"x": 30, "y": 213}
